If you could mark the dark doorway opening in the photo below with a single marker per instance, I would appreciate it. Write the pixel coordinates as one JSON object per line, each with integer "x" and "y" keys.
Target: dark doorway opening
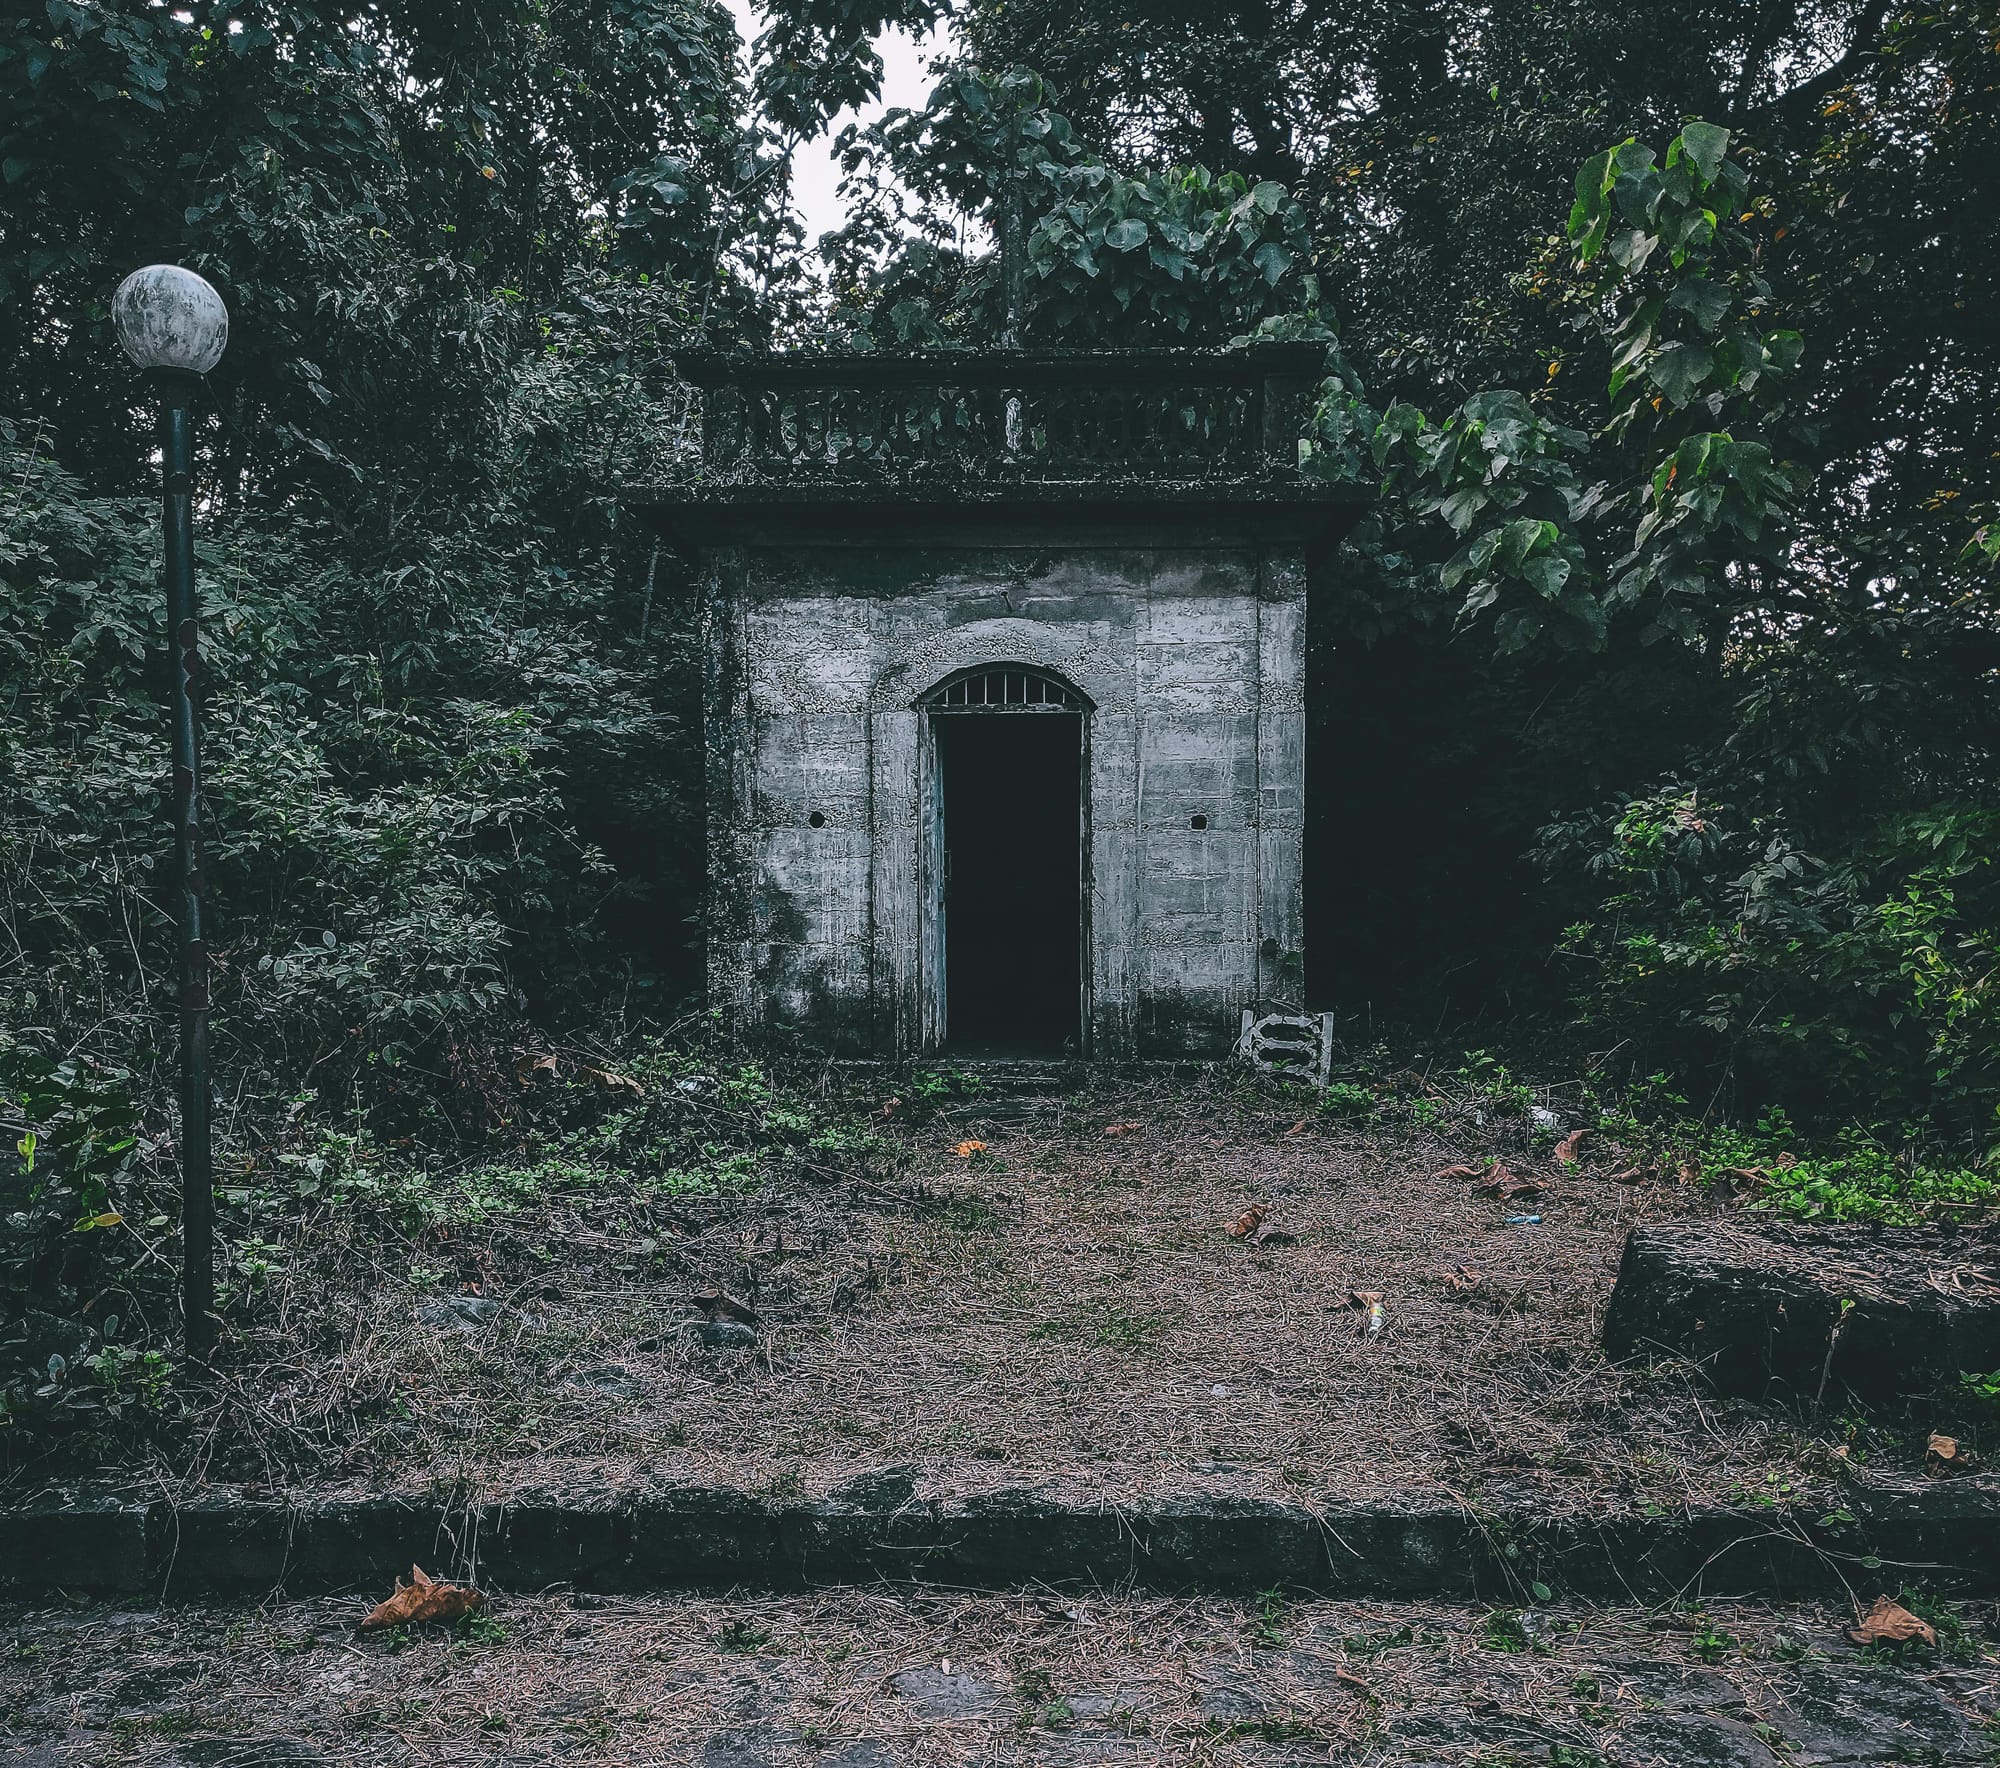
{"x": 1011, "y": 784}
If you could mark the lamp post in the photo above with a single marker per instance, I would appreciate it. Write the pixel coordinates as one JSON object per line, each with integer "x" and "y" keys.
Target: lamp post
{"x": 174, "y": 325}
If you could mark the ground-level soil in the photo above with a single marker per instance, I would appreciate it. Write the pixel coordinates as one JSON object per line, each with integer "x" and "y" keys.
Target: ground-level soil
{"x": 879, "y": 1679}
{"x": 1042, "y": 1292}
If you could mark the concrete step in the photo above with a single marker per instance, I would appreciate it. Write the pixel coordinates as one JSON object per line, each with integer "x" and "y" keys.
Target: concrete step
{"x": 702, "y": 1537}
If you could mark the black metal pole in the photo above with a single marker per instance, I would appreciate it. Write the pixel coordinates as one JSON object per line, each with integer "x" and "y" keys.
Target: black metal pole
{"x": 197, "y": 1174}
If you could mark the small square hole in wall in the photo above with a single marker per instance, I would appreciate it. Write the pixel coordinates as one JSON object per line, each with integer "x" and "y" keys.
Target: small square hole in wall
{"x": 1197, "y": 821}
{"x": 817, "y": 820}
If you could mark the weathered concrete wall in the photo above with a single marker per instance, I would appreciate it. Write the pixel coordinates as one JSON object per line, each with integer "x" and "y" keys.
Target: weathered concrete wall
{"x": 820, "y": 658}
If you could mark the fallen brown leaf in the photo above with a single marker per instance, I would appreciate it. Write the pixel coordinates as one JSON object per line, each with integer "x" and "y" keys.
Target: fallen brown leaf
{"x": 1247, "y": 1223}
{"x": 1741, "y": 1180}
{"x": 1891, "y": 1623}
{"x": 1457, "y": 1172}
{"x": 611, "y": 1080}
{"x": 1945, "y": 1456}
{"x": 968, "y": 1148}
{"x": 1122, "y": 1129}
{"x": 1463, "y": 1279}
{"x": 890, "y": 1107}
{"x": 527, "y": 1067}
{"x": 1298, "y": 1128}
{"x": 718, "y": 1305}
{"x": 1630, "y": 1176}
{"x": 1566, "y": 1154}
{"x": 422, "y": 1599}
{"x": 1507, "y": 1186}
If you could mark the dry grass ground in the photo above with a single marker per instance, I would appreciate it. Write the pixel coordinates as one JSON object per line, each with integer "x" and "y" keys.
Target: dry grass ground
{"x": 880, "y": 1679}
{"x": 1061, "y": 1307}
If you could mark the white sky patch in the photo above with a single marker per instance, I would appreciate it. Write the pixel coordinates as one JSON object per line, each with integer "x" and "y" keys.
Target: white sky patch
{"x": 815, "y": 172}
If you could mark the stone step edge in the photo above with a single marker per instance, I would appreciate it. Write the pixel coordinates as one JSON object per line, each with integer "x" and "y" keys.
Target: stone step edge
{"x": 1944, "y": 1536}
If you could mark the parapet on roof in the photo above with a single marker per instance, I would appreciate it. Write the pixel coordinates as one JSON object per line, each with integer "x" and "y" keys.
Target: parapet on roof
{"x": 829, "y": 438}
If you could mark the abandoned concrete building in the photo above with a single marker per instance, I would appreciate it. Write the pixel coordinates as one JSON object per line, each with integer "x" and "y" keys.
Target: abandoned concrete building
{"x": 1004, "y": 714}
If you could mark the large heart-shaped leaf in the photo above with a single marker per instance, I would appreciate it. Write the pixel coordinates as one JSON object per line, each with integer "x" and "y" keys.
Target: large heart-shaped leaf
{"x": 1679, "y": 370}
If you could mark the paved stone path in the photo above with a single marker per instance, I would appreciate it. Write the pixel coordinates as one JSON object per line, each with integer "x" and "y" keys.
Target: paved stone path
{"x": 884, "y": 1678}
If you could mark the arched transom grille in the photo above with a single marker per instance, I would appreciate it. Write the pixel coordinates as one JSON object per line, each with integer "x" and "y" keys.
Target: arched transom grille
{"x": 1005, "y": 690}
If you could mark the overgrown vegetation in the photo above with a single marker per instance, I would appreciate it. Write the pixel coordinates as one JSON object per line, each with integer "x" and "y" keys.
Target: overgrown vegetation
{"x": 585, "y": 1167}
{"x": 1662, "y": 678}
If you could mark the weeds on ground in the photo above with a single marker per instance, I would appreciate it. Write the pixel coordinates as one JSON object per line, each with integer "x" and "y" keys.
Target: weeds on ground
{"x": 1855, "y": 1174}
{"x": 1711, "y": 1644}
{"x": 1105, "y": 1324}
{"x": 1344, "y": 1099}
{"x": 743, "y": 1637}
{"x": 1269, "y": 1624}
{"x": 87, "y": 1235}
{"x": 1857, "y": 1178}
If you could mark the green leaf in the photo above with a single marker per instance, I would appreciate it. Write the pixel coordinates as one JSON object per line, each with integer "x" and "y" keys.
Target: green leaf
{"x": 1461, "y": 506}
{"x": 1546, "y": 574}
{"x": 1123, "y": 236}
{"x": 1587, "y": 219}
{"x": 1273, "y": 260}
{"x": 1705, "y": 144}
{"x": 1631, "y": 247}
{"x": 1519, "y": 538}
{"x": 1678, "y": 370}
{"x": 1784, "y": 348}
{"x": 1707, "y": 301}
{"x": 1541, "y": 1592}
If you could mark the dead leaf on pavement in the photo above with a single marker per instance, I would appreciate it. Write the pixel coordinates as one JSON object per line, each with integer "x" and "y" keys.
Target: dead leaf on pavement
{"x": 1566, "y": 1154}
{"x": 1457, "y": 1172}
{"x": 1247, "y": 1223}
{"x": 1890, "y": 1623}
{"x": 1945, "y": 1455}
{"x": 422, "y": 1599}
{"x": 1122, "y": 1129}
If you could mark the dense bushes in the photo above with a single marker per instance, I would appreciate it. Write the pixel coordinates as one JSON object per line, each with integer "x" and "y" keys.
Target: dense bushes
{"x": 402, "y": 858}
